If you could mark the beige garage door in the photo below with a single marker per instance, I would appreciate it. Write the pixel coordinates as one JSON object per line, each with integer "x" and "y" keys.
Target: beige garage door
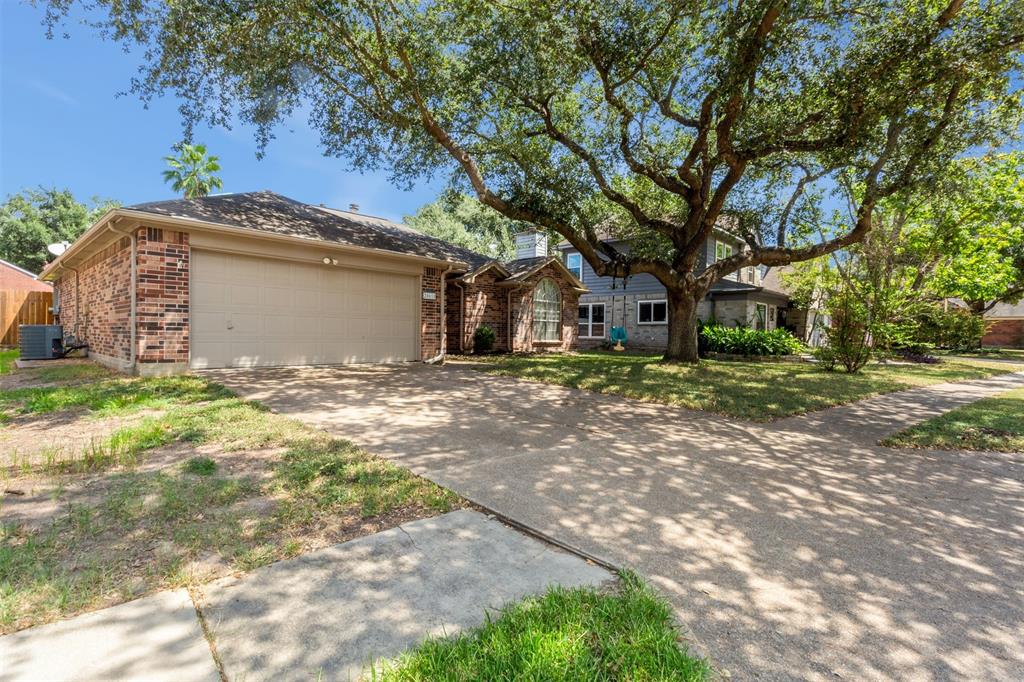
{"x": 257, "y": 312}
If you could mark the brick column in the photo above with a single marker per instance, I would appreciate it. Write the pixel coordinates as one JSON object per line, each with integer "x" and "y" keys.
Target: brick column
{"x": 431, "y": 318}
{"x": 161, "y": 306}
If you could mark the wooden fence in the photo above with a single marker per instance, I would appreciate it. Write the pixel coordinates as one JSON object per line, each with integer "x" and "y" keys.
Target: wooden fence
{"x": 22, "y": 307}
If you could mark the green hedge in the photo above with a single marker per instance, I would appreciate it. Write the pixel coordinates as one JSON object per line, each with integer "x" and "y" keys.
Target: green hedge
{"x": 746, "y": 341}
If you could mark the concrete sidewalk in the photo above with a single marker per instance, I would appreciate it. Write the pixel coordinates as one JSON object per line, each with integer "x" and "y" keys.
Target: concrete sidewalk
{"x": 327, "y": 613}
{"x": 799, "y": 549}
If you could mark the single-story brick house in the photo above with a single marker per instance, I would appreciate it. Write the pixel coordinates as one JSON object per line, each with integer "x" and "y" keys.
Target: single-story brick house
{"x": 258, "y": 279}
{"x": 1005, "y": 326}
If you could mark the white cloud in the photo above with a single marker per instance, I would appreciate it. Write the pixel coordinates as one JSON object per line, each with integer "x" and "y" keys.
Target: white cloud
{"x": 52, "y": 92}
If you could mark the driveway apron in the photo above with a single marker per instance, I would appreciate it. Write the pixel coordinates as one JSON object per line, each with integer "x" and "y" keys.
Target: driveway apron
{"x": 798, "y": 549}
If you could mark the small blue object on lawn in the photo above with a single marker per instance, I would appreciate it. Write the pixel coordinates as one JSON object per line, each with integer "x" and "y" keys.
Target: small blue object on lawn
{"x": 618, "y": 336}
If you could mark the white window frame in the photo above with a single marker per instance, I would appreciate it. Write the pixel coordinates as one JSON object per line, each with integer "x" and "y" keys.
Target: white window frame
{"x": 590, "y": 321}
{"x": 725, "y": 246}
{"x": 757, "y": 316}
{"x": 652, "y": 302}
{"x": 578, "y": 269}
{"x": 556, "y": 313}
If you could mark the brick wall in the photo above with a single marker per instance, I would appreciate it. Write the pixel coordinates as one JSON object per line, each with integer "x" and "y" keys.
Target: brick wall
{"x": 162, "y": 300}
{"x": 522, "y": 313}
{"x": 430, "y": 315}
{"x": 1005, "y": 333}
{"x": 100, "y": 313}
{"x": 484, "y": 302}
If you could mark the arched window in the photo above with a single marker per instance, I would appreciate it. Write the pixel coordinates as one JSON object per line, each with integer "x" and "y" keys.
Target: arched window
{"x": 547, "y": 311}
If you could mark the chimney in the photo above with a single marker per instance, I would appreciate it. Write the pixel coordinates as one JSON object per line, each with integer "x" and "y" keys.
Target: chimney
{"x": 354, "y": 208}
{"x": 531, "y": 244}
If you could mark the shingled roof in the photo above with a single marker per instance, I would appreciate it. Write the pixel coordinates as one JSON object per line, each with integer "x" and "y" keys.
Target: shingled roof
{"x": 268, "y": 211}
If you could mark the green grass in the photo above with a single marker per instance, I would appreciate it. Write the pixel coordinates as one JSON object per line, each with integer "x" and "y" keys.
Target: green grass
{"x": 995, "y": 423}
{"x": 150, "y": 525}
{"x": 7, "y": 358}
{"x": 110, "y": 395}
{"x": 752, "y": 390}
{"x": 564, "y": 634}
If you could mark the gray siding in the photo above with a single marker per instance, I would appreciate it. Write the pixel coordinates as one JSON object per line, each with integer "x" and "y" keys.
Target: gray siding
{"x": 644, "y": 283}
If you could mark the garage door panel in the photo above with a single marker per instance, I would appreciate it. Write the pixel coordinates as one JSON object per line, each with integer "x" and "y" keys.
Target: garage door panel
{"x": 254, "y": 312}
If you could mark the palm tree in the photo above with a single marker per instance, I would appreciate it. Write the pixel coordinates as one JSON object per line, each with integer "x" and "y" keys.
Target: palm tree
{"x": 192, "y": 171}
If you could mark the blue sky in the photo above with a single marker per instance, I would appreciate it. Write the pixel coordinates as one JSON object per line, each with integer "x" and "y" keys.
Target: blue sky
{"x": 62, "y": 124}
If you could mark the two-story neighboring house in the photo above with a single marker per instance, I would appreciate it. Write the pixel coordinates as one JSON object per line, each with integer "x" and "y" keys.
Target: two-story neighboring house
{"x": 639, "y": 304}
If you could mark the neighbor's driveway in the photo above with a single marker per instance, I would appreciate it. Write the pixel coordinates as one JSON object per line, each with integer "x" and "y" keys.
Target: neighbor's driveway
{"x": 798, "y": 549}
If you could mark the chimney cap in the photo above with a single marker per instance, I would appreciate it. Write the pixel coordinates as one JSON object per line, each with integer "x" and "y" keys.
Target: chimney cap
{"x": 354, "y": 208}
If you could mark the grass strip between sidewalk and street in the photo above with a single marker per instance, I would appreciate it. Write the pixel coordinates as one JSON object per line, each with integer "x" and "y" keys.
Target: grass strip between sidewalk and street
{"x": 564, "y": 634}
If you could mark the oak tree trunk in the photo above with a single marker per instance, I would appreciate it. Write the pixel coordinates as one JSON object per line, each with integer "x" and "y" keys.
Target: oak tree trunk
{"x": 682, "y": 327}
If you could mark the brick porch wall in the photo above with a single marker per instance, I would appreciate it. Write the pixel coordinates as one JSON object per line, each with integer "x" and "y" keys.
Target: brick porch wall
{"x": 431, "y": 319}
{"x": 100, "y": 314}
{"x": 522, "y": 314}
{"x": 1005, "y": 333}
{"x": 484, "y": 302}
{"x": 162, "y": 297}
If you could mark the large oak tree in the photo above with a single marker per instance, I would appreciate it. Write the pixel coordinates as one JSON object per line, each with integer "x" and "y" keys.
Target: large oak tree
{"x": 652, "y": 121}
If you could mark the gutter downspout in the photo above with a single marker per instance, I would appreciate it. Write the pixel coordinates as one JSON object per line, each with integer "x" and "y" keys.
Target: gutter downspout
{"x": 443, "y": 323}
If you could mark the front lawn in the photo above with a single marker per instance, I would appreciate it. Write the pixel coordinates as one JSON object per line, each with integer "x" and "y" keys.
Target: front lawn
{"x": 995, "y": 423}
{"x": 565, "y": 634}
{"x": 752, "y": 390}
{"x": 189, "y": 483}
{"x": 7, "y": 358}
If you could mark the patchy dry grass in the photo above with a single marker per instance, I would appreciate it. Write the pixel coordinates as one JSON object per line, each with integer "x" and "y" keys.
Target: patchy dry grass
{"x": 995, "y": 423}
{"x": 758, "y": 391}
{"x": 208, "y": 485}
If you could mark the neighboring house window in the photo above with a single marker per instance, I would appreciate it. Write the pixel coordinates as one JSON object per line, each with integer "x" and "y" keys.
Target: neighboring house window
{"x": 722, "y": 251}
{"x": 652, "y": 312}
{"x": 750, "y": 275}
{"x": 762, "y": 316}
{"x": 574, "y": 263}
{"x": 547, "y": 311}
{"x": 592, "y": 321}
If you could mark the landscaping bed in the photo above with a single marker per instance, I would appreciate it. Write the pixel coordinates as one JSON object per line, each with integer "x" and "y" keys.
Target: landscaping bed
{"x": 179, "y": 482}
{"x": 994, "y": 424}
{"x": 758, "y": 391}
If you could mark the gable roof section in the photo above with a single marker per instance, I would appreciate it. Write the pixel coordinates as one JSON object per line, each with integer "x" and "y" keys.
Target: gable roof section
{"x": 522, "y": 268}
{"x": 15, "y": 278}
{"x": 270, "y": 212}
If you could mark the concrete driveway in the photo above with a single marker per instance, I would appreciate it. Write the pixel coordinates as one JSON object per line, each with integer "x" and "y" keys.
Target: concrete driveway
{"x": 792, "y": 550}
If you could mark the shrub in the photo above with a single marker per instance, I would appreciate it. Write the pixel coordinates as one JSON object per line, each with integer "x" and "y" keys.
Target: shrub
{"x": 483, "y": 339}
{"x": 848, "y": 339}
{"x": 746, "y": 341}
{"x": 955, "y": 329}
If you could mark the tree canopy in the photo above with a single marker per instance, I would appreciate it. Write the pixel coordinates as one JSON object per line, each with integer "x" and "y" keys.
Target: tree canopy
{"x": 34, "y": 218}
{"x": 462, "y": 220}
{"x": 655, "y": 122}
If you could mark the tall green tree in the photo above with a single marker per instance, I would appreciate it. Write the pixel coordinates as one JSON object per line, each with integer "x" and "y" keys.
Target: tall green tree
{"x": 34, "y": 218}
{"x": 459, "y": 219}
{"x": 192, "y": 171}
{"x": 651, "y": 121}
{"x": 967, "y": 237}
